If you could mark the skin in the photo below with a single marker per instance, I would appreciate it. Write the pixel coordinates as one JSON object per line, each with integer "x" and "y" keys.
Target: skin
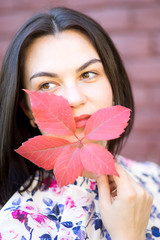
{"x": 62, "y": 56}
{"x": 58, "y": 64}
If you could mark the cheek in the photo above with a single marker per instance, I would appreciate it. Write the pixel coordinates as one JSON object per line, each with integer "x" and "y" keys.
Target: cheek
{"x": 102, "y": 95}
{"x": 106, "y": 98}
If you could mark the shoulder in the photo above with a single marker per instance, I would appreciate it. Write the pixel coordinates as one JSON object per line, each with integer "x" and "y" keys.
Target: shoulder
{"x": 147, "y": 169}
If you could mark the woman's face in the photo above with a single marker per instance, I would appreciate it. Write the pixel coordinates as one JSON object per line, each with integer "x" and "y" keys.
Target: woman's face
{"x": 68, "y": 65}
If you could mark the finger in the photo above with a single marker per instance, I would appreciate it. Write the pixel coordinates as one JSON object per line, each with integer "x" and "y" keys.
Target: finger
{"x": 111, "y": 182}
{"x": 131, "y": 180}
{"x": 103, "y": 190}
{"x": 123, "y": 182}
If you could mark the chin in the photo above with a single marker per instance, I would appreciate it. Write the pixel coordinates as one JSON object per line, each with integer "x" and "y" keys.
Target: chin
{"x": 89, "y": 174}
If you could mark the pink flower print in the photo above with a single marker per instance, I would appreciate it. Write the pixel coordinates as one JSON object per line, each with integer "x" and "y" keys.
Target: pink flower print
{"x": 39, "y": 218}
{"x": 70, "y": 202}
{"x": 29, "y": 207}
{"x": 20, "y": 215}
{"x": 11, "y": 234}
{"x": 54, "y": 184}
{"x": 93, "y": 185}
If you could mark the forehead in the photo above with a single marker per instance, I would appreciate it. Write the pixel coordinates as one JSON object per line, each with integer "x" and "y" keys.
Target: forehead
{"x": 65, "y": 48}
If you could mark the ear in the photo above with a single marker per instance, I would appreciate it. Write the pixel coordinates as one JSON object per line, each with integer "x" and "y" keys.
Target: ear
{"x": 26, "y": 107}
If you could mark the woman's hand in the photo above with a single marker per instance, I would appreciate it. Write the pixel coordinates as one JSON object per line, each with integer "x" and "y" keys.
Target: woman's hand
{"x": 125, "y": 212}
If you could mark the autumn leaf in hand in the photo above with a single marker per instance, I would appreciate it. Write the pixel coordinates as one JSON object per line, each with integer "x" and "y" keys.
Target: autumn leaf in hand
{"x": 53, "y": 116}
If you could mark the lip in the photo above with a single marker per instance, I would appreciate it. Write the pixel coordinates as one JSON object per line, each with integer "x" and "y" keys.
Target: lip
{"x": 81, "y": 120}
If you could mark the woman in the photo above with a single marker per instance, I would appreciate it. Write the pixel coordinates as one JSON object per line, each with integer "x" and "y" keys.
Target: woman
{"x": 66, "y": 52}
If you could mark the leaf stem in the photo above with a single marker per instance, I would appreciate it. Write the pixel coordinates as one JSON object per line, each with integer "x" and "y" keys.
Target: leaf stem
{"x": 79, "y": 140}
{"x": 82, "y": 139}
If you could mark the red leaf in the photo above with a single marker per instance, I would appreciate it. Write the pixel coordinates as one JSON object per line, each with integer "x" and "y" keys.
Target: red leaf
{"x": 68, "y": 166}
{"x": 107, "y": 123}
{"x": 97, "y": 159}
{"x": 52, "y": 113}
{"x": 43, "y": 150}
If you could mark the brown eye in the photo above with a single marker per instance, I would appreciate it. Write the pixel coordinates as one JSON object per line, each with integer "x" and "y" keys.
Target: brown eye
{"x": 85, "y": 75}
{"x": 45, "y": 86}
{"x": 48, "y": 86}
{"x": 88, "y": 75}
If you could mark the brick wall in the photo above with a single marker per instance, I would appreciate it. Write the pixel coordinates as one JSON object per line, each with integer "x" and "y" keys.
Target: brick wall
{"x": 134, "y": 27}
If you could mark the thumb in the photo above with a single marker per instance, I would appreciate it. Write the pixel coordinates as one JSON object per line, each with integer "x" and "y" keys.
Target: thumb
{"x": 103, "y": 190}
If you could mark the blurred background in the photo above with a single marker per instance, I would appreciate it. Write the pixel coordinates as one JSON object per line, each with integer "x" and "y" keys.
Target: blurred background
{"x": 134, "y": 26}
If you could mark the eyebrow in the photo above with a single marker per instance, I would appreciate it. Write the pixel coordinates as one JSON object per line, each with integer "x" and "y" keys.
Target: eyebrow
{"x": 85, "y": 65}
{"x": 54, "y": 75}
{"x": 43, "y": 74}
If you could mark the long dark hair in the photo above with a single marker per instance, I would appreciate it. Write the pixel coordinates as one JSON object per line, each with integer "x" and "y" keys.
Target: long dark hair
{"x": 14, "y": 125}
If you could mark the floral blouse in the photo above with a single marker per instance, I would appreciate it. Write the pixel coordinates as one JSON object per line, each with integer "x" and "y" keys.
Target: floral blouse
{"x": 72, "y": 213}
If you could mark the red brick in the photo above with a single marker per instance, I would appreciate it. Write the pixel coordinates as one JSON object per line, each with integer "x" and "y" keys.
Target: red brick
{"x": 156, "y": 43}
{"x": 146, "y": 95}
{"x": 10, "y": 5}
{"x": 147, "y": 18}
{"x": 144, "y": 69}
{"x": 112, "y": 19}
{"x": 132, "y": 44}
{"x": 6, "y": 4}
{"x": 141, "y": 148}
{"x": 135, "y": 2}
{"x": 147, "y": 119}
{"x": 3, "y": 47}
{"x": 83, "y": 4}
{"x": 10, "y": 23}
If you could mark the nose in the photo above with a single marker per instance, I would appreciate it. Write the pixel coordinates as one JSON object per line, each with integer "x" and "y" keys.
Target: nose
{"x": 75, "y": 95}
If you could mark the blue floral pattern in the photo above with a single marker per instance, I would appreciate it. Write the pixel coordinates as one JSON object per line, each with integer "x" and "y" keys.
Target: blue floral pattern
{"x": 72, "y": 213}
